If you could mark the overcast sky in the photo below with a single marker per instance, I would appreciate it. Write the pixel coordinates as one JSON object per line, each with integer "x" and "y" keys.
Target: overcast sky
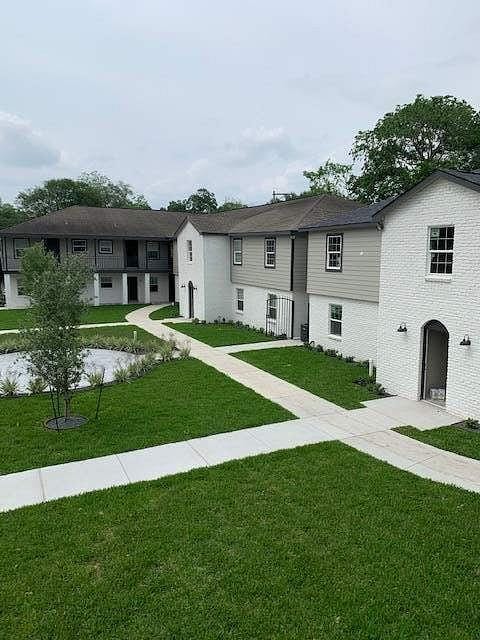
{"x": 238, "y": 96}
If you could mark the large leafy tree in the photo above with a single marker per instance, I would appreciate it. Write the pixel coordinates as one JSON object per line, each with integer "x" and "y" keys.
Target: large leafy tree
{"x": 330, "y": 178}
{"x": 202, "y": 201}
{"x": 410, "y": 142}
{"x": 90, "y": 189}
{"x": 9, "y": 215}
{"x": 231, "y": 205}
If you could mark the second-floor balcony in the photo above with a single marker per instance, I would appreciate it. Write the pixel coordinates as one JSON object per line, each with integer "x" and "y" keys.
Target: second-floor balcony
{"x": 108, "y": 263}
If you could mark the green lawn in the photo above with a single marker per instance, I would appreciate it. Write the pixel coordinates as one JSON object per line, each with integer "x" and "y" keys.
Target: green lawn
{"x": 321, "y": 542}
{"x": 322, "y": 375}
{"x": 219, "y": 335}
{"x": 151, "y": 410}
{"x": 456, "y": 439}
{"x": 172, "y": 311}
{"x": 18, "y": 318}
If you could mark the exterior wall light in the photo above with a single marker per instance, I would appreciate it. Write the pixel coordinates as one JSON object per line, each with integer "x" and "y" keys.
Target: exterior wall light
{"x": 466, "y": 342}
{"x": 402, "y": 328}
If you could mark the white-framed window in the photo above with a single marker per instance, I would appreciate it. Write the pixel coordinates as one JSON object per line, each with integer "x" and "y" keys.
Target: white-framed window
{"x": 237, "y": 251}
{"x": 79, "y": 246}
{"x": 272, "y": 306}
{"x": 153, "y": 250}
{"x": 189, "y": 251}
{"x": 270, "y": 255}
{"x": 440, "y": 248}
{"x": 335, "y": 319}
{"x": 106, "y": 282}
{"x": 153, "y": 284}
{"x": 19, "y": 246}
{"x": 333, "y": 260}
{"x": 240, "y": 299}
{"x": 105, "y": 246}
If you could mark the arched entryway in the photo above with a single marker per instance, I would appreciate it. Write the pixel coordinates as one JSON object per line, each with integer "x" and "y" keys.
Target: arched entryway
{"x": 191, "y": 308}
{"x": 434, "y": 362}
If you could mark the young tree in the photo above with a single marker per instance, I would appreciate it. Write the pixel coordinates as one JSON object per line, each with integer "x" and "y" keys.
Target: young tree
{"x": 90, "y": 189}
{"x": 330, "y": 178}
{"x": 54, "y": 346}
{"x": 412, "y": 141}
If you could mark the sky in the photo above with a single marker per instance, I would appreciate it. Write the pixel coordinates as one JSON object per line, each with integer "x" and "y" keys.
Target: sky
{"x": 237, "y": 96}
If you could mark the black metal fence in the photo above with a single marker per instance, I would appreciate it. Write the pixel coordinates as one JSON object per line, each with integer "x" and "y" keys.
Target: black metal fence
{"x": 279, "y": 313}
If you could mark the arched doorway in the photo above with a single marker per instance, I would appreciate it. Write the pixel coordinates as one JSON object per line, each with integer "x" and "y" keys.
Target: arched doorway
{"x": 191, "y": 308}
{"x": 434, "y": 362}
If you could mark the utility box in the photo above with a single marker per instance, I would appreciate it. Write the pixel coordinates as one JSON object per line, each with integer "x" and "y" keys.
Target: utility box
{"x": 304, "y": 337}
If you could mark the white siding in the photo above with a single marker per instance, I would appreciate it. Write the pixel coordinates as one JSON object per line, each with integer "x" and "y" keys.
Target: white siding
{"x": 191, "y": 271}
{"x": 217, "y": 276}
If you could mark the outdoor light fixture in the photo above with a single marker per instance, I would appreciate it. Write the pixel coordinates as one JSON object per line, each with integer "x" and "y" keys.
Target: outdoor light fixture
{"x": 466, "y": 342}
{"x": 402, "y": 328}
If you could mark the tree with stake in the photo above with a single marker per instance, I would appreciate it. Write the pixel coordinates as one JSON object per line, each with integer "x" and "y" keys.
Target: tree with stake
{"x": 53, "y": 344}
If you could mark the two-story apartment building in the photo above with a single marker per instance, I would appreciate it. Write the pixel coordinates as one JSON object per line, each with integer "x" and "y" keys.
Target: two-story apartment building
{"x": 251, "y": 264}
{"x": 131, "y": 252}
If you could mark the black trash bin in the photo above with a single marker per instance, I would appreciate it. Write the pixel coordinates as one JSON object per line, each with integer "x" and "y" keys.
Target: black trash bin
{"x": 304, "y": 332}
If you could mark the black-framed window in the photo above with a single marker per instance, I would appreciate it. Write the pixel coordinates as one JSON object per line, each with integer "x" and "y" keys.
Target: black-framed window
{"x": 189, "y": 251}
{"x": 105, "y": 246}
{"x": 272, "y": 306}
{"x": 153, "y": 284}
{"x": 106, "y": 282}
{"x": 240, "y": 299}
{"x": 153, "y": 250}
{"x": 79, "y": 246}
{"x": 335, "y": 319}
{"x": 19, "y": 246}
{"x": 237, "y": 251}
{"x": 441, "y": 250}
{"x": 270, "y": 253}
{"x": 334, "y": 252}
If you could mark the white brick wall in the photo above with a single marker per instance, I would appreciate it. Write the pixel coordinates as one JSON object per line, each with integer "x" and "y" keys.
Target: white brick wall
{"x": 255, "y": 301}
{"x": 359, "y": 326}
{"x": 217, "y": 276}
{"x": 191, "y": 271}
{"x": 407, "y": 295}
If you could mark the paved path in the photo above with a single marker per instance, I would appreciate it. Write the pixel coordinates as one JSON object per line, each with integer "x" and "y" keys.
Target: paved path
{"x": 367, "y": 429}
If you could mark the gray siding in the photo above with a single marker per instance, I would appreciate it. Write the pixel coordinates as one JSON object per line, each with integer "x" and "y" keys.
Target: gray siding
{"x": 360, "y": 275}
{"x": 253, "y": 271}
{"x": 300, "y": 262}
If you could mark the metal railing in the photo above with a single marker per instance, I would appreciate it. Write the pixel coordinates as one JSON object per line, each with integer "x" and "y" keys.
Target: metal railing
{"x": 107, "y": 263}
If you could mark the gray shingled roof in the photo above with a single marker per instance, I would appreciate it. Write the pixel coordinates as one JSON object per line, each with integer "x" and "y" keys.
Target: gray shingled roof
{"x": 82, "y": 221}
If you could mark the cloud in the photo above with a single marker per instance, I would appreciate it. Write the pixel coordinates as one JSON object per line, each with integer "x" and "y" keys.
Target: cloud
{"x": 257, "y": 145}
{"x": 23, "y": 146}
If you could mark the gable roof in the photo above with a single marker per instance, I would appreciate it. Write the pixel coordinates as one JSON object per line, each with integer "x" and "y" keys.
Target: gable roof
{"x": 87, "y": 222}
{"x": 469, "y": 179}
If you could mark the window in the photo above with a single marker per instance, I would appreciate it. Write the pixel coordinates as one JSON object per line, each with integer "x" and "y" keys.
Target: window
{"x": 335, "y": 320}
{"x": 20, "y": 288}
{"x": 105, "y": 246}
{"x": 153, "y": 284}
{"x": 106, "y": 282}
{"x": 272, "y": 306}
{"x": 79, "y": 246}
{"x": 240, "y": 299}
{"x": 441, "y": 250}
{"x": 270, "y": 253}
{"x": 153, "y": 251}
{"x": 334, "y": 252}
{"x": 189, "y": 251}
{"x": 237, "y": 251}
{"x": 19, "y": 246}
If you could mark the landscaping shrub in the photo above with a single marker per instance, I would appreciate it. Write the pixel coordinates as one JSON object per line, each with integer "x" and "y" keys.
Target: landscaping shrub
{"x": 9, "y": 385}
{"x": 120, "y": 374}
{"x": 471, "y": 423}
{"x": 36, "y": 385}
{"x": 95, "y": 378}
{"x": 166, "y": 352}
{"x": 184, "y": 350}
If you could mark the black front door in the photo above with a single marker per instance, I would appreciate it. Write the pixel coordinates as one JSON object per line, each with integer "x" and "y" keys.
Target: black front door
{"x": 52, "y": 245}
{"x": 132, "y": 288}
{"x": 131, "y": 253}
{"x": 171, "y": 287}
{"x": 191, "y": 309}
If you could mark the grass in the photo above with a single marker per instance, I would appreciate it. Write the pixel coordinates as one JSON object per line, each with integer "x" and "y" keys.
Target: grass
{"x": 148, "y": 411}
{"x": 318, "y": 542}
{"x": 221, "y": 334}
{"x": 323, "y": 375}
{"x": 18, "y": 318}
{"x": 456, "y": 439}
{"x": 172, "y": 311}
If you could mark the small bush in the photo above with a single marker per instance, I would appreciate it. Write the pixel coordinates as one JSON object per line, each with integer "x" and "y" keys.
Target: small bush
{"x": 195, "y": 321}
{"x": 349, "y": 359}
{"x": 471, "y": 423}
{"x": 319, "y": 348}
{"x": 120, "y": 374}
{"x": 171, "y": 341}
{"x": 36, "y": 385}
{"x": 333, "y": 353}
{"x": 9, "y": 385}
{"x": 95, "y": 378}
{"x": 184, "y": 350}
{"x": 166, "y": 352}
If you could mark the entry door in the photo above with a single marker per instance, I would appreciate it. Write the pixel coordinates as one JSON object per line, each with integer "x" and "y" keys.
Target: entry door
{"x": 132, "y": 288}
{"x": 435, "y": 363}
{"x": 191, "y": 307}
{"x": 131, "y": 253}
{"x": 52, "y": 245}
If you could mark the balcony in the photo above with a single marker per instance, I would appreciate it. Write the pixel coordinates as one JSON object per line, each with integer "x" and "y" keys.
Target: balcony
{"x": 108, "y": 263}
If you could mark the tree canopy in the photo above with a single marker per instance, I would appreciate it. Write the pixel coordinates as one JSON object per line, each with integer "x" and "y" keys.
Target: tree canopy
{"x": 412, "y": 141}
{"x": 90, "y": 189}
{"x": 202, "y": 201}
{"x": 331, "y": 178}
